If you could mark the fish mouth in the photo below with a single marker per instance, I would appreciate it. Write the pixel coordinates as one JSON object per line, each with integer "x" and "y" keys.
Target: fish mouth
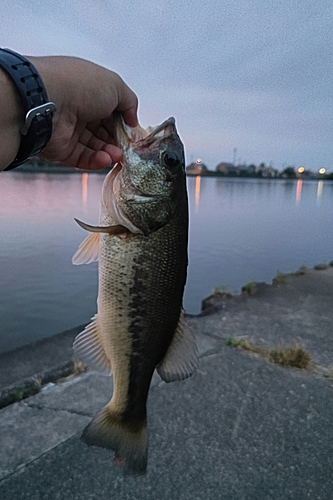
{"x": 129, "y": 136}
{"x": 165, "y": 130}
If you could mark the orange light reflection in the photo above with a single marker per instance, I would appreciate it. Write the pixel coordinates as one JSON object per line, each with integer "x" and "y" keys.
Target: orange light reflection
{"x": 197, "y": 192}
{"x": 84, "y": 189}
{"x": 299, "y": 186}
{"x": 320, "y": 188}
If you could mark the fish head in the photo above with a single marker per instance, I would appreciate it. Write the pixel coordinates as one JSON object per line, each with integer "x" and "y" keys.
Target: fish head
{"x": 155, "y": 164}
{"x": 143, "y": 191}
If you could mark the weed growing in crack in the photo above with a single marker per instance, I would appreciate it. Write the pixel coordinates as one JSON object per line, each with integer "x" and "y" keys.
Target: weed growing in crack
{"x": 294, "y": 356}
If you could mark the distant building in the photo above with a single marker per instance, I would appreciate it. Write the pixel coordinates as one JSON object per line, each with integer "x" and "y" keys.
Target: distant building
{"x": 197, "y": 168}
{"x": 269, "y": 172}
{"x": 251, "y": 170}
{"x": 288, "y": 173}
{"x": 263, "y": 171}
{"x": 226, "y": 168}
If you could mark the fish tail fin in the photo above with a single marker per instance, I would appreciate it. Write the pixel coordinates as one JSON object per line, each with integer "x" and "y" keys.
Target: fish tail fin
{"x": 129, "y": 439}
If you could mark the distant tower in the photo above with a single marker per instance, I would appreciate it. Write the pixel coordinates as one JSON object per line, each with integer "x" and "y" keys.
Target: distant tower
{"x": 235, "y": 156}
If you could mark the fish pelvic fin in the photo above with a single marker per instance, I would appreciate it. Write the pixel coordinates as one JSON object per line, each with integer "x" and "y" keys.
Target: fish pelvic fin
{"x": 116, "y": 229}
{"x": 88, "y": 347}
{"x": 88, "y": 250}
{"x": 128, "y": 439}
{"x": 181, "y": 359}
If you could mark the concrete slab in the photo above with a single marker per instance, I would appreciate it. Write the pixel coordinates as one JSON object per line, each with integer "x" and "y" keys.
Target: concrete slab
{"x": 299, "y": 310}
{"x": 37, "y": 357}
{"x": 27, "y": 432}
{"x": 241, "y": 428}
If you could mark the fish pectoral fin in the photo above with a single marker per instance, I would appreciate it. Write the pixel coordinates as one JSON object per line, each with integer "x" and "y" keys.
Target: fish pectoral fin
{"x": 88, "y": 250}
{"x": 116, "y": 229}
{"x": 88, "y": 347}
{"x": 181, "y": 358}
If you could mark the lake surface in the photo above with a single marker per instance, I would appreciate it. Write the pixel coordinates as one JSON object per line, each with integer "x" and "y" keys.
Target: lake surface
{"x": 240, "y": 230}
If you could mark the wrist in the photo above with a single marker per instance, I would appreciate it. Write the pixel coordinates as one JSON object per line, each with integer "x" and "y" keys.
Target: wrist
{"x": 38, "y": 110}
{"x": 48, "y": 68}
{"x": 11, "y": 120}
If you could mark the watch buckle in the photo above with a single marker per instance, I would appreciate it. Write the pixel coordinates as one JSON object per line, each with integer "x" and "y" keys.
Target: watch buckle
{"x": 44, "y": 109}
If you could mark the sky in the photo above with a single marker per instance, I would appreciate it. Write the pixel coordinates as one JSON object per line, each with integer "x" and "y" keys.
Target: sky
{"x": 250, "y": 79}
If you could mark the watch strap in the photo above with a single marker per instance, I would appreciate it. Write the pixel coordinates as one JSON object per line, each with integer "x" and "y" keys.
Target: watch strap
{"x": 37, "y": 129}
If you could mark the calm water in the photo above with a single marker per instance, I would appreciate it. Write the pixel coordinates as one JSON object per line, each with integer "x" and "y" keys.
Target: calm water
{"x": 240, "y": 230}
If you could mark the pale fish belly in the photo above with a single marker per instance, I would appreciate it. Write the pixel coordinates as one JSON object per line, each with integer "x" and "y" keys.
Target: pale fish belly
{"x": 116, "y": 279}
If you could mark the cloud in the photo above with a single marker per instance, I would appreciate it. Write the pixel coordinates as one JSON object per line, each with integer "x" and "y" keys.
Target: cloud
{"x": 251, "y": 74}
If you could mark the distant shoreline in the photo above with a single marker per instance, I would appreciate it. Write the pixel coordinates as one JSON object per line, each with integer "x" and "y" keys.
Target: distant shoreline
{"x": 279, "y": 178}
{"x": 36, "y": 168}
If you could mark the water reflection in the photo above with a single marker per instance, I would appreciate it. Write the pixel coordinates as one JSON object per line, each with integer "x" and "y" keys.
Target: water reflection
{"x": 319, "y": 190}
{"x": 299, "y": 187}
{"x": 84, "y": 190}
{"x": 197, "y": 193}
{"x": 240, "y": 231}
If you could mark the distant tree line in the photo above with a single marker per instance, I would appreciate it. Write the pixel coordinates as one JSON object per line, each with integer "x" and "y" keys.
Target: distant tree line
{"x": 225, "y": 169}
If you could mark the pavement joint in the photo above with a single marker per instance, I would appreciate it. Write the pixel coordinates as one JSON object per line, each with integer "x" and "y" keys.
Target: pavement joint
{"x": 66, "y": 410}
{"x": 211, "y": 335}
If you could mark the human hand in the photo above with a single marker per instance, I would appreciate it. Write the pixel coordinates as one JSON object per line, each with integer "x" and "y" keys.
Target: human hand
{"x": 85, "y": 95}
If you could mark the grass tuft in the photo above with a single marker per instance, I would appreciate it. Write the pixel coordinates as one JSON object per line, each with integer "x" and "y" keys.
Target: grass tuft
{"x": 280, "y": 278}
{"x": 37, "y": 383}
{"x": 19, "y": 392}
{"x": 78, "y": 367}
{"x": 220, "y": 289}
{"x": 293, "y": 357}
{"x": 249, "y": 288}
{"x": 301, "y": 271}
{"x": 231, "y": 342}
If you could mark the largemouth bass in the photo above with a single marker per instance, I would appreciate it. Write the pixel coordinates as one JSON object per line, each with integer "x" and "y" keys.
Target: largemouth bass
{"x": 141, "y": 244}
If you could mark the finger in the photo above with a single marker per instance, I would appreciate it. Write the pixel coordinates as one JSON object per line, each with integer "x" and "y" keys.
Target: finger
{"x": 101, "y": 130}
{"x": 94, "y": 140}
{"x": 87, "y": 158}
{"x": 130, "y": 117}
{"x": 98, "y": 160}
{"x": 127, "y": 102}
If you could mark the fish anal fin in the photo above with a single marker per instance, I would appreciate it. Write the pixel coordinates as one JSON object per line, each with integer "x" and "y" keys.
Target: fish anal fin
{"x": 128, "y": 439}
{"x": 88, "y": 347}
{"x": 88, "y": 250}
{"x": 181, "y": 358}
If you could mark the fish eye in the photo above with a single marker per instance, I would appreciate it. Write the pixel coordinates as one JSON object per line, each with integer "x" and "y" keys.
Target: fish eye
{"x": 171, "y": 159}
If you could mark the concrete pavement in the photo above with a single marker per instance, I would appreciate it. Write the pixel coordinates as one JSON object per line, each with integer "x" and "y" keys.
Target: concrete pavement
{"x": 240, "y": 428}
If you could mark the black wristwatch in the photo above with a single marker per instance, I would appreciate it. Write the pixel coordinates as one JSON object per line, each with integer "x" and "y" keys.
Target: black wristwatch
{"x": 37, "y": 129}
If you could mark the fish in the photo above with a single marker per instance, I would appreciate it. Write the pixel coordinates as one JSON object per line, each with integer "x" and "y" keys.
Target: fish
{"x": 141, "y": 244}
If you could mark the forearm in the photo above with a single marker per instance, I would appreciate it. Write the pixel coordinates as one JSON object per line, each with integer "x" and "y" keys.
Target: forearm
{"x": 85, "y": 96}
{"x": 11, "y": 120}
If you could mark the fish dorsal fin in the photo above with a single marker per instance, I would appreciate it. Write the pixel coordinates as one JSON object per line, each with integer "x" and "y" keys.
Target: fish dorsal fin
{"x": 88, "y": 347}
{"x": 88, "y": 250}
{"x": 181, "y": 358}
